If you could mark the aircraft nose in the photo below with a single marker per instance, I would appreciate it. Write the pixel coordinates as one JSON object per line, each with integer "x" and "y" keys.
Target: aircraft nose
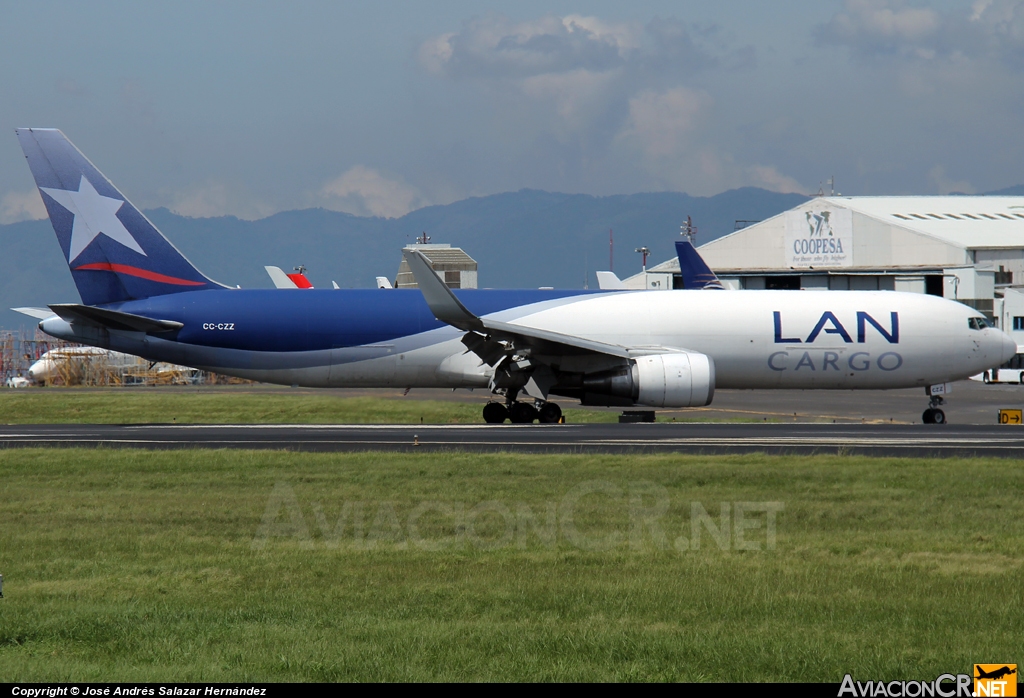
{"x": 1009, "y": 347}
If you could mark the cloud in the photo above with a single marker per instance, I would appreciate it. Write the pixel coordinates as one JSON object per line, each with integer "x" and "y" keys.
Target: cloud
{"x": 213, "y": 199}
{"x": 993, "y": 29}
{"x": 945, "y": 185}
{"x": 661, "y": 122}
{"x": 21, "y": 206}
{"x": 496, "y": 47}
{"x": 575, "y": 48}
{"x": 668, "y": 130}
{"x": 70, "y": 87}
{"x": 770, "y": 178}
{"x": 138, "y": 103}
{"x": 575, "y": 96}
{"x": 366, "y": 192}
{"x": 881, "y": 25}
{"x": 1001, "y": 26}
{"x": 591, "y": 94}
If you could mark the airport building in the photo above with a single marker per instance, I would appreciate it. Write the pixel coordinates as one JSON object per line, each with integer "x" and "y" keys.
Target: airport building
{"x": 966, "y": 248}
{"x": 456, "y": 268}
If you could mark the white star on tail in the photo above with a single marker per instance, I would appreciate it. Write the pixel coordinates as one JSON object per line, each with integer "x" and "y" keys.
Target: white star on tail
{"x": 94, "y": 214}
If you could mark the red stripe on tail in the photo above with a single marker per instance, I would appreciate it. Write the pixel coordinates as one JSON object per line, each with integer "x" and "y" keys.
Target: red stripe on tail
{"x": 141, "y": 273}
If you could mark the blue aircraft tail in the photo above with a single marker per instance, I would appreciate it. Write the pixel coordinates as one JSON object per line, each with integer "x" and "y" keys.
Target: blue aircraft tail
{"x": 113, "y": 251}
{"x": 696, "y": 273}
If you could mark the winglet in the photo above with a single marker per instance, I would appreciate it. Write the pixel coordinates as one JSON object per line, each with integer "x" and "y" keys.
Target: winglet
{"x": 442, "y": 302}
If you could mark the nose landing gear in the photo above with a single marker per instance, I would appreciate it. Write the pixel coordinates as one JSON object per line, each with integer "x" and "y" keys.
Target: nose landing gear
{"x": 933, "y": 415}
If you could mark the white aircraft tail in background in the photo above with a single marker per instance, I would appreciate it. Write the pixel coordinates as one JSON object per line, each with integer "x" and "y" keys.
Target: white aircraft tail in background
{"x": 607, "y": 281}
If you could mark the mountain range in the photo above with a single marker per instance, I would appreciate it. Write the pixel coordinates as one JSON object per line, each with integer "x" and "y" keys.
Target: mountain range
{"x": 522, "y": 239}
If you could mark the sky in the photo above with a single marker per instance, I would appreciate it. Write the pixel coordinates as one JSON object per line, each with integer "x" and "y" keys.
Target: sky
{"x": 378, "y": 108}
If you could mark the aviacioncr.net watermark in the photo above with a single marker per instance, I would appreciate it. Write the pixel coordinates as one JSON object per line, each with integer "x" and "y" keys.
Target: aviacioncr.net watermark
{"x": 596, "y": 515}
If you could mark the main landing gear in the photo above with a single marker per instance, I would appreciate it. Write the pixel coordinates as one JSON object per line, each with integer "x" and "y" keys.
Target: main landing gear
{"x": 522, "y": 412}
{"x": 933, "y": 415}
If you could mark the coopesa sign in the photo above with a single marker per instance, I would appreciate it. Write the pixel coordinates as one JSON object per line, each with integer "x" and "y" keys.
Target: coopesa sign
{"x": 819, "y": 236}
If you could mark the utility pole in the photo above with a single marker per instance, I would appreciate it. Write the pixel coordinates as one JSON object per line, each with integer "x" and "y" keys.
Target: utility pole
{"x": 611, "y": 251}
{"x": 643, "y": 252}
{"x": 689, "y": 231}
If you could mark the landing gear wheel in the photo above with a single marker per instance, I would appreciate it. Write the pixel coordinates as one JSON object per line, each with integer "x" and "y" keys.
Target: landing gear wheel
{"x": 522, "y": 413}
{"x": 933, "y": 415}
{"x": 495, "y": 413}
{"x": 985, "y": 378}
{"x": 550, "y": 413}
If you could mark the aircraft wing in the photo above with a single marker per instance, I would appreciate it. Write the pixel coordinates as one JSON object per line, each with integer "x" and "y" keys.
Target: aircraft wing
{"x": 449, "y": 309}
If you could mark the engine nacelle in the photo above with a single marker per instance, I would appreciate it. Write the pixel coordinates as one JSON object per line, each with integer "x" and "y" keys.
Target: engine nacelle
{"x": 678, "y": 379}
{"x": 685, "y": 379}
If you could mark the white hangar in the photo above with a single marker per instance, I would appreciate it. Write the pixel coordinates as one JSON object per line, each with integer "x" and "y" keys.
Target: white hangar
{"x": 967, "y": 248}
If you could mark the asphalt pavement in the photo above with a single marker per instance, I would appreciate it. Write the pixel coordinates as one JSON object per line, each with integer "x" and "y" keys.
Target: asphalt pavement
{"x": 694, "y": 438}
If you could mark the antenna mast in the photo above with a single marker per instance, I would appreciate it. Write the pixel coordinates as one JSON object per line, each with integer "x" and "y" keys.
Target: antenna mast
{"x": 611, "y": 251}
{"x": 643, "y": 252}
{"x": 689, "y": 231}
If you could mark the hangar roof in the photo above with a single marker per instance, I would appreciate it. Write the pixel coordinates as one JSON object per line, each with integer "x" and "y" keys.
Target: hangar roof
{"x": 966, "y": 222}
{"x": 971, "y": 222}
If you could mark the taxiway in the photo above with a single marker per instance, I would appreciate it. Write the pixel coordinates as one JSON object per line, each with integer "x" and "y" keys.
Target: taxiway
{"x": 878, "y": 440}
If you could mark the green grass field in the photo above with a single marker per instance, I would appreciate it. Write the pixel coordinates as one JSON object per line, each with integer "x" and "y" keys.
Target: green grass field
{"x": 155, "y": 405}
{"x": 129, "y": 565}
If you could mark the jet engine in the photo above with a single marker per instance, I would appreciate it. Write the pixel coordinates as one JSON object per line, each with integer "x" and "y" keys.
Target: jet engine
{"x": 677, "y": 379}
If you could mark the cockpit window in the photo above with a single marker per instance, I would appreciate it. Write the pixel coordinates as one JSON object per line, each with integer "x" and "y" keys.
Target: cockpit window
{"x": 977, "y": 323}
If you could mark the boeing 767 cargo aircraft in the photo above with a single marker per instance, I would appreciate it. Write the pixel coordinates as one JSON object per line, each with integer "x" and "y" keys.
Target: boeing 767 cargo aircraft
{"x": 653, "y": 348}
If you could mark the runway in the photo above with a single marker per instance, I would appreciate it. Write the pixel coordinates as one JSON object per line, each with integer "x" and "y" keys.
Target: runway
{"x": 703, "y": 438}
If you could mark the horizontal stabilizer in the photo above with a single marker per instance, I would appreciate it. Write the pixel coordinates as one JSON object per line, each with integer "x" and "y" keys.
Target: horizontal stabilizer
{"x": 112, "y": 319}
{"x": 608, "y": 281}
{"x": 41, "y": 313}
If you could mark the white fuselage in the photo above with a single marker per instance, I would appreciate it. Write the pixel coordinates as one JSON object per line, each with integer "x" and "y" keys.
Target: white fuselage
{"x": 757, "y": 339}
